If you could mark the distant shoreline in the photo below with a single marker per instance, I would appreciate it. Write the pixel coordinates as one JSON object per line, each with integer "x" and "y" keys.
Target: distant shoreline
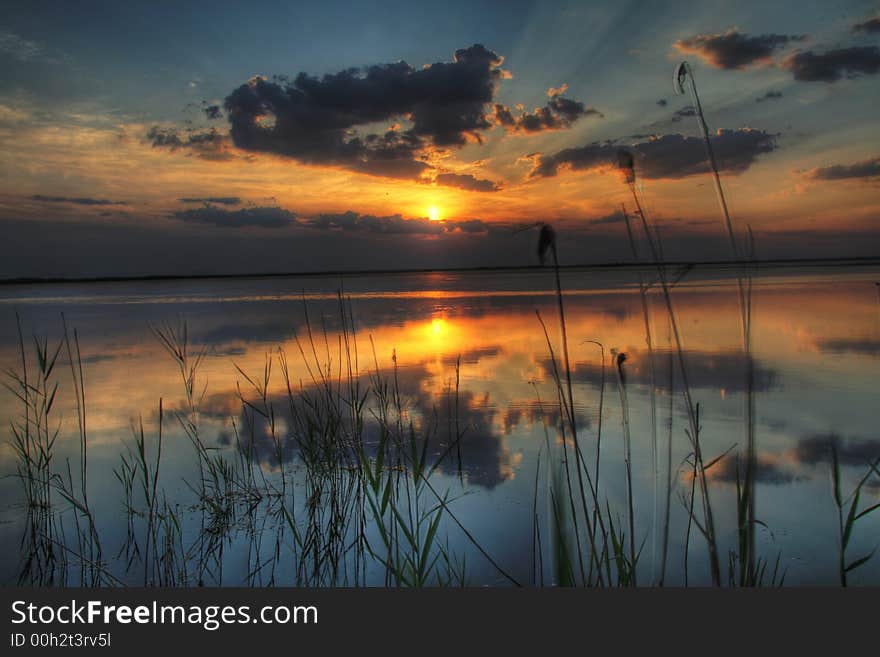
{"x": 756, "y": 264}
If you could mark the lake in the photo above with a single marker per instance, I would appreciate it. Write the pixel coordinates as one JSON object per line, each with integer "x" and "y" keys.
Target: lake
{"x": 304, "y": 381}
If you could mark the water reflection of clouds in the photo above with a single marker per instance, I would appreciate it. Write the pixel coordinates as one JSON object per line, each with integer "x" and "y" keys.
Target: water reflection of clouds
{"x": 497, "y": 338}
{"x": 705, "y": 369}
{"x": 771, "y": 469}
{"x": 815, "y": 347}
{"x": 485, "y": 458}
{"x": 851, "y": 450}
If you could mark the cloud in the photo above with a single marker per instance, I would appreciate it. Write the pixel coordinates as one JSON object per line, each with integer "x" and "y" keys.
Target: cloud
{"x": 558, "y": 113}
{"x": 212, "y": 112}
{"x": 870, "y": 26}
{"x": 75, "y": 200}
{"x": 770, "y": 95}
{"x": 609, "y": 219}
{"x": 394, "y": 224}
{"x": 17, "y": 48}
{"x": 262, "y": 217}
{"x": 222, "y": 200}
{"x": 315, "y": 120}
{"x": 208, "y": 144}
{"x": 869, "y": 168}
{"x": 466, "y": 181}
{"x": 668, "y": 156}
{"x": 860, "y": 346}
{"x": 684, "y": 112}
{"x": 733, "y": 49}
{"x": 833, "y": 65}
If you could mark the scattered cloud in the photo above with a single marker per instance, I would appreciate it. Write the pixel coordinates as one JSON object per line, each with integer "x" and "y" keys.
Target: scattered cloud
{"x": 668, "y": 156}
{"x": 870, "y": 26}
{"x": 608, "y": 219}
{"x": 212, "y": 112}
{"x": 860, "y": 346}
{"x": 467, "y": 181}
{"x": 869, "y": 168}
{"x": 74, "y": 200}
{"x": 349, "y": 221}
{"x": 222, "y": 200}
{"x": 262, "y": 217}
{"x": 833, "y": 65}
{"x": 208, "y": 144}
{"x": 684, "y": 112}
{"x": 557, "y": 114}
{"x": 393, "y": 224}
{"x": 18, "y": 48}
{"x": 734, "y": 49}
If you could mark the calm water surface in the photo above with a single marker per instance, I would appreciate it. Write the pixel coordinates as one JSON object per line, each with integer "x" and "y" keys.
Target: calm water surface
{"x": 815, "y": 344}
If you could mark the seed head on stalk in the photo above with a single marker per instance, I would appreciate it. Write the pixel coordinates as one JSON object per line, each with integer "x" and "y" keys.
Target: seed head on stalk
{"x": 682, "y": 74}
{"x": 679, "y": 75}
{"x": 621, "y": 359}
{"x": 546, "y": 241}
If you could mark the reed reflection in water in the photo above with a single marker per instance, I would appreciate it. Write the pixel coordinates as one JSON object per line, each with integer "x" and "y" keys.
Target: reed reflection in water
{"x": 408, "y": 431}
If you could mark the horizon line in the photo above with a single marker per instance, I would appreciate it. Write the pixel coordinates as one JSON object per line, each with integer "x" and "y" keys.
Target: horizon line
{"x": 769, "y": 262}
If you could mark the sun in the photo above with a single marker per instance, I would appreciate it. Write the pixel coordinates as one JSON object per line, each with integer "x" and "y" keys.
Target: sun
{"x": 434, "y": 213}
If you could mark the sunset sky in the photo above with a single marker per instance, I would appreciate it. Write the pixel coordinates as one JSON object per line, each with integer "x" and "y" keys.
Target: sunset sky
{"x": 221, "y": 137}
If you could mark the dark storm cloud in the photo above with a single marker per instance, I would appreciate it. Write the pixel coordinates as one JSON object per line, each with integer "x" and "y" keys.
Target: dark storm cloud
{"x": 75, "y": 200}
{"x": 865, "y": 169}
{"x": 266, "y": 217}
{"x": 466, "y": 181}
{"x": 870, "y": 26}
{"x": 312, "y": 119}
{"x": 733, "y": 49}
{"x": 813, "y": 450}
{"x": 668, "y": 156}
{"x": 393, "y": 224}
{"x": 208, "y": 144}
{"x": 558, "y": 113}
{"x": 222, "y": 200}
{"x": 770, "y": 95}
{"x": 833, "y": 65}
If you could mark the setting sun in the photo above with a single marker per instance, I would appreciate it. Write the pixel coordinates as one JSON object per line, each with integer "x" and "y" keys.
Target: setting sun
{"x": 434, "y": 213}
